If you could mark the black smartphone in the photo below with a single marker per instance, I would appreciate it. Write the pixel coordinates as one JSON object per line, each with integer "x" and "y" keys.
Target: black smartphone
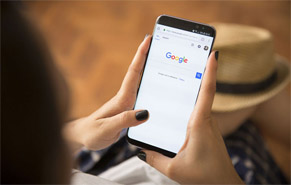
{"x": 170, "y": 83}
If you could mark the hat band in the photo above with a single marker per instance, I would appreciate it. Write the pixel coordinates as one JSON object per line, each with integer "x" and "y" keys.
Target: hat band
{"x": 246, "y": 88}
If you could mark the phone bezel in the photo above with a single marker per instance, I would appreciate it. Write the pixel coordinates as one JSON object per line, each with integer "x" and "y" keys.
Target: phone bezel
{"x": 186, "y": 25}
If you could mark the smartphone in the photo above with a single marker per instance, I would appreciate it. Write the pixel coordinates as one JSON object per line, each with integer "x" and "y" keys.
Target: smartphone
{"x": 170, "y": 83}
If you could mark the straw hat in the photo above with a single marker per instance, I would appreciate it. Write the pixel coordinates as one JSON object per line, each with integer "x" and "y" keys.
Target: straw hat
{"x": 249, "y": 72}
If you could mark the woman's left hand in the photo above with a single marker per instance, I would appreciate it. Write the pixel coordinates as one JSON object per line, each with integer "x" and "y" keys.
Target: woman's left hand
{"x": 103, "y": 127}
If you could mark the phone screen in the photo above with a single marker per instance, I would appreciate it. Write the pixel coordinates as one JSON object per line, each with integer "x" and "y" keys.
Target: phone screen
{"x": 170, "y": 85}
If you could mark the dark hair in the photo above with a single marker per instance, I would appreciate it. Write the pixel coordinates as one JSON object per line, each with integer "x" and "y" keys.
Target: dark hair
{"x": 32, "y": 149}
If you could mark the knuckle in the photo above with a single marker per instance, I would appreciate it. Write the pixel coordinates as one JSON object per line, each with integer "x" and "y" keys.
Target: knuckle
{"x": 120, "y": 100}
{"x": 204, "y": 120}
{"x": 208, "y": 118}
{"x": 124, "y": 117}
{"x": 170, "y": 171}
{"x": 134, "y": 69}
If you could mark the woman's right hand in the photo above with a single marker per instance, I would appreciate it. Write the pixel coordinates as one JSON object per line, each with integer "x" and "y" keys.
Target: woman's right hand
{"x": 103, "y": 127}
{"x": 203, "y": 158}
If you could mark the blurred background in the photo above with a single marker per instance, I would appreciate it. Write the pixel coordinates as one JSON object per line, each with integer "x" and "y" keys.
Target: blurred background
{"x": 94, "y": 42}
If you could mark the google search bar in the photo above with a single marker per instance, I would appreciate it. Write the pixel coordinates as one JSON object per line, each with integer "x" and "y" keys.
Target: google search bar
{"x": 182, "y": 34}
{"x": 184, "y": 37}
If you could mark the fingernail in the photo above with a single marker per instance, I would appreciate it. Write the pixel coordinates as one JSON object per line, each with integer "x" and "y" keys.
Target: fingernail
{"x": 142, "y": 115}
{"x": 142, "y": 156}
{"x": 146, "y": 36}
{"x": 216, "y": 55}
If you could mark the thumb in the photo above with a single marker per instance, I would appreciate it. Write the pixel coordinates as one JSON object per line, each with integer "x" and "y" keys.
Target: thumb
{"x": 126, "y": 119}
{"x": 205, "y": 99}
{"x": 155, "y": 159}
{"x": 208, "y": 87}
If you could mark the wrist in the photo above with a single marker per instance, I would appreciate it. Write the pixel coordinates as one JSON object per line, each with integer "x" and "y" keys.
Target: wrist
{"x": 71, "y": 134}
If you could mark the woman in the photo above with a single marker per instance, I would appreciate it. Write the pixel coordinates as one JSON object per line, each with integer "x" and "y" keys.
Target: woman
{"x": 32, "y": 145}
{"x": 250, "y": 105}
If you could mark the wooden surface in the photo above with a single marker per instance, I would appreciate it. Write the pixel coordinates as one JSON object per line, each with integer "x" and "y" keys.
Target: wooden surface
{"x": 94, "y": 42}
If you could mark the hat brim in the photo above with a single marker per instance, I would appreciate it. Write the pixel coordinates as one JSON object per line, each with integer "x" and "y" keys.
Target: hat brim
{"x": 230, "y": 102}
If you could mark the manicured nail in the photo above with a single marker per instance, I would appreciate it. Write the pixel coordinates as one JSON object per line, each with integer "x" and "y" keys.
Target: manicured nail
{"x": 142, "y": 115}
{"x": 142, "y": 156}
{"x": 216, "y": 55}
{"x": 146, "y": 36}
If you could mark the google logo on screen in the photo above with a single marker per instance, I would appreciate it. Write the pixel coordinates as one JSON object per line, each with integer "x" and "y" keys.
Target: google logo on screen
{"x": 173, "y": 57}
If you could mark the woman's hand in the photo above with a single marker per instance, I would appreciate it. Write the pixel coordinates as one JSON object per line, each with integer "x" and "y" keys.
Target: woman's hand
{"x": 103, "y": 127}
{"x": 203, "y": 157}
{"x": 125, "y": 97}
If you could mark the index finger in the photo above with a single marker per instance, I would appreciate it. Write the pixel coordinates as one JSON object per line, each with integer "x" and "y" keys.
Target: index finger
{"x": 132, "y": 77}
